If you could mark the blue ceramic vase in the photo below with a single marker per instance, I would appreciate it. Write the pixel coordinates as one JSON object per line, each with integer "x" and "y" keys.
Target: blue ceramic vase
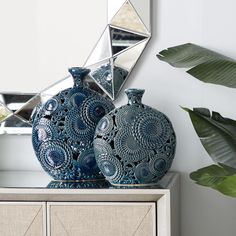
{"x": 63, "y": 131}
{"x": 134, "y": 144}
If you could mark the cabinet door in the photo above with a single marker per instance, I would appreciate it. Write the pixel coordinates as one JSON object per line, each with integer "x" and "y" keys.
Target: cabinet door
{"x": 22, "y": 219}
{"x": 101, "y": 219}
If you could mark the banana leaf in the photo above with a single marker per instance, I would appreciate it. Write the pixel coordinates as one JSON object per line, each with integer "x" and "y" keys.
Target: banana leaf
{"x": 205, "y": 65}
{"x": 219, "y": 177}
{"x": 217, "y": 134}
{"x": 227, "y": 187}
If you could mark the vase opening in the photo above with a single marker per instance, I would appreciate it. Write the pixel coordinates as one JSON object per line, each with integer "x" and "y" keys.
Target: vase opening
{"x": 134, "y": 95}
{"x": 78, "y": 73}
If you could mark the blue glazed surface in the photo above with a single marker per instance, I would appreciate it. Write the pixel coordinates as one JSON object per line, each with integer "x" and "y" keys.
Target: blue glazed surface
{"x": 63, "y": 131}
{"x": 79, "y": 185}
{"x": 134, "y": 144}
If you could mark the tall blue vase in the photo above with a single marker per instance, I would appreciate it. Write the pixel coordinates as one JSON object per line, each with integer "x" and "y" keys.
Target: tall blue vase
{"x": 134, "y": 144}
{"x": 63, "y": 130}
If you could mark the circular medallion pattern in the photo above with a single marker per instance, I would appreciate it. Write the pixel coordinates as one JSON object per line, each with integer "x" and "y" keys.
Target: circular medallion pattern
{"x": 105, "y": 126}
{"x": 43, "y": 131}
{"x": 102, "y": 147}
{"x": 159, "y": 164}
{"x": 51, "y": 106}
{"x": 127, "y": 115}
{"x": 93, "y": 110}
{"x": 87, "y": 162}
{"x": 110, "y": 167}
{"x": 76, "y": 128}
{"x": 55, "y": 155}
{"x": 77, "y": 99}
{"x": 127, "y": 148}
{"x": 151, "y": 130}
{"x": 142, "y": 172}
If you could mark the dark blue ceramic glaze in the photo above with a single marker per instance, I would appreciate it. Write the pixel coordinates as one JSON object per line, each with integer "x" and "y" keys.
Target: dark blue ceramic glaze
{"x": 63, "y": 130}
{"x": 99, "y": 184}
{"x": 134, "y": 144}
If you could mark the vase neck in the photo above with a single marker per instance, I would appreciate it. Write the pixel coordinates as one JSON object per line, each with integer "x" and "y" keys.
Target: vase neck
{"x": 134, "y": 95}
{"x": 78, "y": 73}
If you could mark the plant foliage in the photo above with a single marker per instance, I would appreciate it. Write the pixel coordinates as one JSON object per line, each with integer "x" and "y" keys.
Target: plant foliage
{"x": 217, "y": 134}
{"x": 205, "y": 65}
{"x": 219, "y": 177}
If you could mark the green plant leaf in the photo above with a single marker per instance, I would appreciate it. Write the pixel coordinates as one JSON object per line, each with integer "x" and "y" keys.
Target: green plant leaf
{"x": 205, "y": 65}
{"x": 213, "y": 175}
{"x": 228, "y": 186}
{"x": 219, "y": 177}
{"x": 217, "y": 134}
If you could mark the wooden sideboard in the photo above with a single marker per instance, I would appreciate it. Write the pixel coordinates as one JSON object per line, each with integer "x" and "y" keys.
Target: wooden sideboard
{"x": 40, "y": 211}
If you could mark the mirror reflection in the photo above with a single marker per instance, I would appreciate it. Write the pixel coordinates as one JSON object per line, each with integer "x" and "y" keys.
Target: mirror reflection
{"x": 122, "y": 40}
{"x": 127, "y": 34}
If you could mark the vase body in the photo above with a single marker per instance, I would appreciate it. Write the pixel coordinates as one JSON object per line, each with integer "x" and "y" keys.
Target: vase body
{"x": 134, "y": 144}
{"x": 63, "y": 130}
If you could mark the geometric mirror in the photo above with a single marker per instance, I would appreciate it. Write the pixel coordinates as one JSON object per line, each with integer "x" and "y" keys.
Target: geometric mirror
{"x": 121, "y": 44}
{"x": 128, "y": 18}
{"x": 143, "y": 12}
{"x": 123, "y": 39}
{"x": 125, "y": 36}
{"x": 10, "y": 105}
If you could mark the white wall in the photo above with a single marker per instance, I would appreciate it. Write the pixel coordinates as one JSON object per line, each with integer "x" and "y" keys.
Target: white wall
{"x": 41, "y": 39}
{"x": 210, "y": 24}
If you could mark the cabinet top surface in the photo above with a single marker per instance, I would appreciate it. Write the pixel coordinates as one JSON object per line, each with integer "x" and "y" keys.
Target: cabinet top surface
{"x": 40, "y": 180}
{"x": 38, "y": 186}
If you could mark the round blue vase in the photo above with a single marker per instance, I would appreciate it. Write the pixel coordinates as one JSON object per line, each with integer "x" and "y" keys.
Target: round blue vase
{"x": 134, "y": 144}
{"x": 63, "y": 131}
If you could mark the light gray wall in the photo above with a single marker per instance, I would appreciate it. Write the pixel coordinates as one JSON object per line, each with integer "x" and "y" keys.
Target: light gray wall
{"x": 40, "y": 39}
{"x": 210, "y": 24}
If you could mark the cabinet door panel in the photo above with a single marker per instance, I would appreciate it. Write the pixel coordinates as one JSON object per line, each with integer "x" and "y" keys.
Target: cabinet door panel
{"x": 101, "y": 219}
{"x": 22, "y": 219}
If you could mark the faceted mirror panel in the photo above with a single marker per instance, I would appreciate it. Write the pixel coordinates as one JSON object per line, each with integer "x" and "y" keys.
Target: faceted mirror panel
{"x": 14, "y": 101}
{"x": 128, "y": 59}
{"x": 24, "y": 113}
{"x": 122, "y": 39}
{"x": 109, "y": 77}
{"x": 124, "y": 63}
{"x": 4, "y": 112}
{"x": 15, "y": 125}
{"x": 119, "y": 77}
{"x": 102, "y": 73}
{"x": 142, "y": 8}
{"x": 102, "y": 50}
{"x": 113, "y": 7}
{"x": 128, "y": 18}
{"x": 15, "y": 121}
